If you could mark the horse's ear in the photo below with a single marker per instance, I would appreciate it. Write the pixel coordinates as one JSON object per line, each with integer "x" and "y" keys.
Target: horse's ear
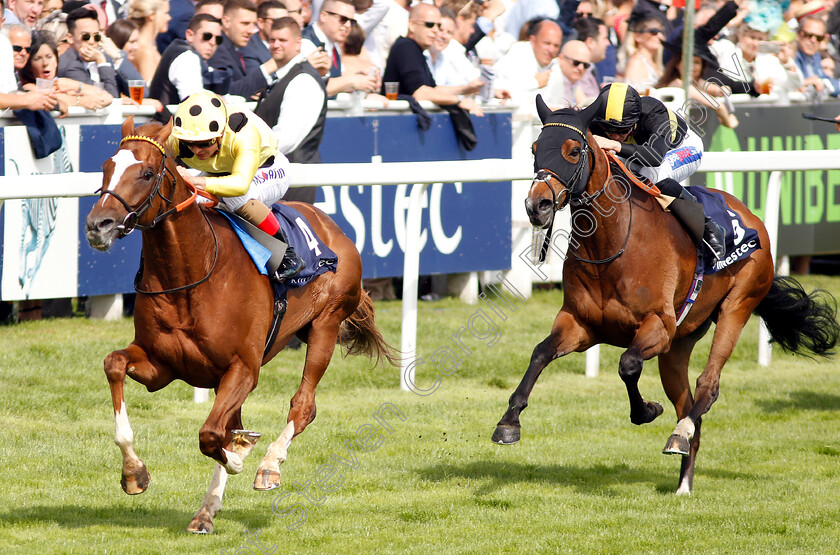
{"x": 589, "y": 113}
{"x": 128, "y": 126}
{"x": 165, "y": 131}
{"x": 542, "y": 110}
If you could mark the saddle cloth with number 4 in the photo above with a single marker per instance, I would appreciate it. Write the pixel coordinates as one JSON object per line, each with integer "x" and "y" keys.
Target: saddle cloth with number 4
{"x": 318, "y": 256}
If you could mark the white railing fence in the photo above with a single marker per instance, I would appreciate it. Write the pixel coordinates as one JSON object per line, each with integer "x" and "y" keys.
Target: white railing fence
{"x": 425, "y": 173}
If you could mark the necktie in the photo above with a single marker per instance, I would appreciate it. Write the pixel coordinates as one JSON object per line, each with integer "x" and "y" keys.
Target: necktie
{"x": 241, "y": 60}
{"x": 335, "y": 58}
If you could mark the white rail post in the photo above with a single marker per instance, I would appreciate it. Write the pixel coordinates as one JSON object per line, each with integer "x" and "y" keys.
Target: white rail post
{"x": 411, "y": 274}
{"x": 593, "y": 356}
{"x": 771, "y": 222}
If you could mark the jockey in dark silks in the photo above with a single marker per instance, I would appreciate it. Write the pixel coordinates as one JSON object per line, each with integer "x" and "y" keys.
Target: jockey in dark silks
{"x": 655, "y": 143}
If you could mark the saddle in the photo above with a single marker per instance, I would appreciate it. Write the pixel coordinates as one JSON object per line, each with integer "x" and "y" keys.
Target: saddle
{"x": 267, "y": 253}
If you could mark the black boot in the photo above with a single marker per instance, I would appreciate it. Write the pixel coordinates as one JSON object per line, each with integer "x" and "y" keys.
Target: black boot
{"x": 714, "y": 236}
{"x": 292, "y": 264}
{"x": 690, "y": 213}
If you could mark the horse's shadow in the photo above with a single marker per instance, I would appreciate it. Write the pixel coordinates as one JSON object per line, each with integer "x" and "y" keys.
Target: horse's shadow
{"x": 802, "y": 400}
{"x": 595, "y": 479}
{"x": 80, "y": 516}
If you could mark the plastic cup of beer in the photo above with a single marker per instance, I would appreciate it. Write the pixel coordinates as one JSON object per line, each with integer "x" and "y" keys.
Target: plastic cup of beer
{"x": 136, "y": 88}
{"x": 392, "y": 88}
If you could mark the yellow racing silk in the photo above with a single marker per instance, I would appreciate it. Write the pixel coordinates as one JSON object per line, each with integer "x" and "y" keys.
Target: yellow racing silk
{"x": 245, "y": 146}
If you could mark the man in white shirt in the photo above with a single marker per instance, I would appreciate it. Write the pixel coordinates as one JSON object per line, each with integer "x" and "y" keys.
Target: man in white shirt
{"x": 183, "y": 67}
{"x": 574, "y": 83}
{"x": 447, "y": 58}
{"x": 296, "y": 105}
{"x": 525, "y": 69}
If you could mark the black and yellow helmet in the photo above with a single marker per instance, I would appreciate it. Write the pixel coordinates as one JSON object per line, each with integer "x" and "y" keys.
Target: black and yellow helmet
{"x": 201, "y": 116}
{"x": 620, "y": 109}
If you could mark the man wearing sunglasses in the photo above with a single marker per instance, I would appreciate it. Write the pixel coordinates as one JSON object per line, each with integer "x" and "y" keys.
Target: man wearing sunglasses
{"x": 85, "y": 60}
{"x": 809, "y": 41}
{"x": 407, "y": 65}
{"x": 326, "y": 35}
{"x": 574, "y": 83}
{"x": 21, "y": 40}
{"x": 183, "y": 68}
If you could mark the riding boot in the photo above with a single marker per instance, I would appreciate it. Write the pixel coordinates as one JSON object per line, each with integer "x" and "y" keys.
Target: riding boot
{"x": 292, "y": 264}
{"x": 690, "y": 213}
{"x": 714, "y": 236}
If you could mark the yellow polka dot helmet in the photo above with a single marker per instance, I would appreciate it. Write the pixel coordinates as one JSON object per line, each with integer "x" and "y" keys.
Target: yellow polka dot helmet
{"x": 200, "y": 117}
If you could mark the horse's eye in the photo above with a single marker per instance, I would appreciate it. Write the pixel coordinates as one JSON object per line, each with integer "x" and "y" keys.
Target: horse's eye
{"x": 575, "y": 151}
{"x": 148, "y": 175}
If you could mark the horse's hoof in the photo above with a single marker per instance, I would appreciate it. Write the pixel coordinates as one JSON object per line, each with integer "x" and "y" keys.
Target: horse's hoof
{"x": 202, "y": 522}
{"x": 676, "y": 445}
{"x": 242, "y": 441}
{"x": 652, "y": 412}
{"x": 506, "y": 435}
{"x": 136, "y": 482}
{"x": 266, "y": 479}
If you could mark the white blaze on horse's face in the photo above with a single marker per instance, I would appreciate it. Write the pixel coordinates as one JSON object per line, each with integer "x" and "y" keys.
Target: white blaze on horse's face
{"x": 123, "y": 160}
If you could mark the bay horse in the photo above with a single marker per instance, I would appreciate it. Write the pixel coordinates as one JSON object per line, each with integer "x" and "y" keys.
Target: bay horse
{"x": 629, "y": 268}
{"x": 203, "y": 312}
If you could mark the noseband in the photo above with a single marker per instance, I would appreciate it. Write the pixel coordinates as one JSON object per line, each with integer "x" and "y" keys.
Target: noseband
{"x": 130, "y": 221}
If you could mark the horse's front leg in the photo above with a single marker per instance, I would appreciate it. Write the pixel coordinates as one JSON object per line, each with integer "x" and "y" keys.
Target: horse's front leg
{"x": 319, "y": 351}
{"x": 222, "y": 439}
{"x": 567, "y": 335}
{"x": 131, "y": 361}
{"x": 242, "y": 442}
{"x": 652, "y": 338}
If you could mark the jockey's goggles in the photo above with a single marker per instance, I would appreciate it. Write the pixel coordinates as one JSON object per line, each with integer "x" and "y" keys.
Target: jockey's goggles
{"x": 200, "y": 144}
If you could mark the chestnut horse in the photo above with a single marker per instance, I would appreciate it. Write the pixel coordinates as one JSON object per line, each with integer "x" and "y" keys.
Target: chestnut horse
{"x": 628, "y": 271}
{"x": 203, "y": 311}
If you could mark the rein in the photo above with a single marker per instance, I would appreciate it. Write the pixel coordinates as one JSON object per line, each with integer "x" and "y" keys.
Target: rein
{"x": 130, "y": 221}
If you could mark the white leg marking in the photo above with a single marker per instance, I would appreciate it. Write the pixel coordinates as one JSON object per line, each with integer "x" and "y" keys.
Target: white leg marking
{"x": 234, "y": 462}
{"x": 684, "y": 488}
{"x": 124, "y": 435}
{"x": 213, "y": 498}
{"x": 279, "y": 449}
{"x": 685, "y": 428}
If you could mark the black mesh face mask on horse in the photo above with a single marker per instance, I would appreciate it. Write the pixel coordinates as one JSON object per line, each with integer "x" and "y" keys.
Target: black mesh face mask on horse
{"x": 549, "y": 160}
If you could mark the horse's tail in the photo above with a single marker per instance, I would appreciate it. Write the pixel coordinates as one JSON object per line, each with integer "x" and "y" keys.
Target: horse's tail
{"x": 360, "y": 336}
{"x": 799, "y": 321}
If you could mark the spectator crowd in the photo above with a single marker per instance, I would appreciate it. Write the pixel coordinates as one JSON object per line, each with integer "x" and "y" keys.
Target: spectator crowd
{"x": 464, "y": 53}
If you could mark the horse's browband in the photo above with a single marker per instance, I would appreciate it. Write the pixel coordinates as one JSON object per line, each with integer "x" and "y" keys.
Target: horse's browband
{"x": 142, "y": 138}
{"x": 558, "y": 124}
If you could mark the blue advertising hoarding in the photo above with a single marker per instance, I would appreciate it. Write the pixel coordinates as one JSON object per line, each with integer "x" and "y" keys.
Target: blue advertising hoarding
{"x": 465, "y": 226}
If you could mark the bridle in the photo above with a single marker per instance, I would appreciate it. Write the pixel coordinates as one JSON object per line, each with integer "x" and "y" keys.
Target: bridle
{"x": 130, "y": 222}
{"x": 574, "y": 192}
{"x": 575, "y": 184}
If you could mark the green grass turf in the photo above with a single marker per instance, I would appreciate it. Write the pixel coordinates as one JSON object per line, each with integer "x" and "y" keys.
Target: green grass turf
{"x": 582, "y": 480}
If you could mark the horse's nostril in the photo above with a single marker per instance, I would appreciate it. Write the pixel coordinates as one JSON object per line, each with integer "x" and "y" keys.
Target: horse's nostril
{"x": 544, "y": 205}
{"x": 104, "y": 223}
